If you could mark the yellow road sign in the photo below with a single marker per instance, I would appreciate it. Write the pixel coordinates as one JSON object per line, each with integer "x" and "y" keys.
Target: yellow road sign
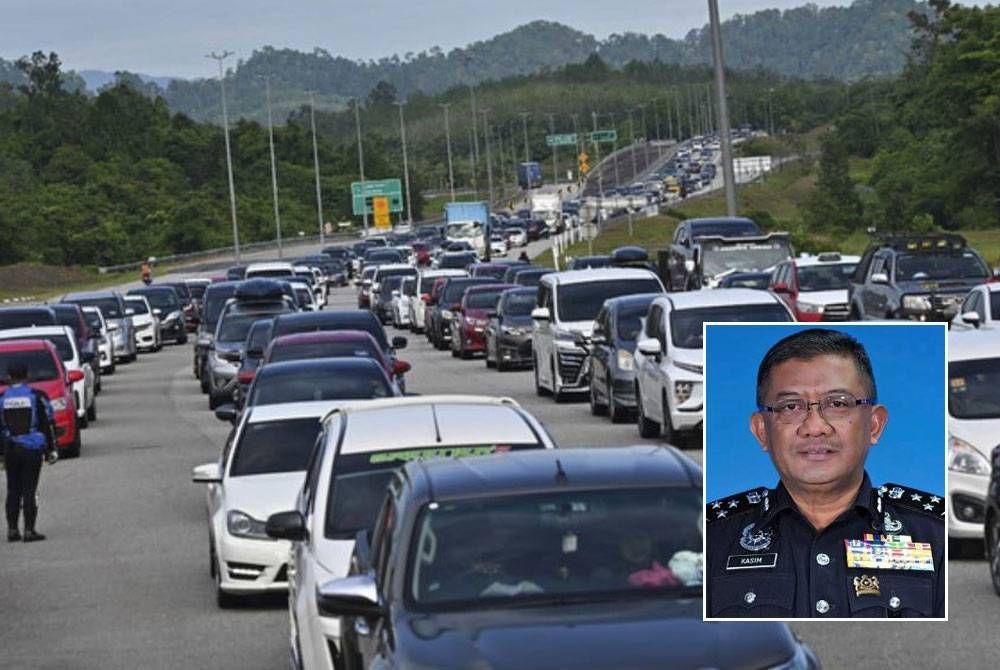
{"x": 583, "y": 157}
{"x": 380, "y": 207}
{"x": 584, "y": 168}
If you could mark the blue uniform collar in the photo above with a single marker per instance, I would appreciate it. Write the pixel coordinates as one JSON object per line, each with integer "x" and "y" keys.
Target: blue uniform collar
{"x": 780, "y": 500}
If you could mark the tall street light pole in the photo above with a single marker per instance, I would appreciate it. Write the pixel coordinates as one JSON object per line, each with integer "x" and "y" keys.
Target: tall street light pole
{"x": 274, "y": 166}
{"x": 489, "y": 162}
{"x": 447, "y": 136}
{"x": 406, "y": 165}
{"x": 555, "y": 165}
{"x": 631, "y": 132}
{"x": 229, "y": 155}
{"x": 524, "y": 128}
{"x": 319, "y": 190}
{"x": 720, "y": 90}
{"x": 361, "y": 163}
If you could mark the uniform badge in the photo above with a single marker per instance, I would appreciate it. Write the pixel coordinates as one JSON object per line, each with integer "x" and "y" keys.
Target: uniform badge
{"x": 892, "y": 525}
{"x": 756, "y": 540}
{"x": 896, "y": 493}
{"x": 753, "y": 497}
{"x": 866, "y": 585}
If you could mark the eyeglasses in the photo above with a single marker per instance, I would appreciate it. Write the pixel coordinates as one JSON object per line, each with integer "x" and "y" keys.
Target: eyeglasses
{"x": 833, "y": 407}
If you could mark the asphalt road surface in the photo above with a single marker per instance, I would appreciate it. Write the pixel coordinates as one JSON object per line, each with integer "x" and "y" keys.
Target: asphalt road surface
{"x": 123, "y": 581}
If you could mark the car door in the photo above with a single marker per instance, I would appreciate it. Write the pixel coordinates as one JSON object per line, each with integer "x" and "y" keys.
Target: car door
{"x": 647, "y": 366}
{"x": 374, "y": 637}
{"x": 542, "y": 337}
{"x": 600, "y": 350}
{"x": 875, "y": 297}
{"x": 662, "y": 383}
{"x": 675, "y": 263}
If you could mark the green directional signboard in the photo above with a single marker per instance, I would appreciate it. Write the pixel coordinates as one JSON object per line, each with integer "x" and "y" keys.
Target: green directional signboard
{"x": 604, "y": 136}
{"x": 379, "y": 188}
{"x": 565, "y": 139}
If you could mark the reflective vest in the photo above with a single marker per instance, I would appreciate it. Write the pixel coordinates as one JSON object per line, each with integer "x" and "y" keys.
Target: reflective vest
{"x": 20, "y": 417}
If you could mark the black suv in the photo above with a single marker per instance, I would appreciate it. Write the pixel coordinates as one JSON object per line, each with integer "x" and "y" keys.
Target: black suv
{"x": 918, "y": 277}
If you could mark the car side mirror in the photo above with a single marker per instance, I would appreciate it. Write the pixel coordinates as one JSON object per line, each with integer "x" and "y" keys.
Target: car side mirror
{"x": 226, "y": 412}
{"x": 425, "y": 297}
{"x": 208, "y": 473}
{"x": 541, "y": 314}
{"x": 780, "y": 288}
{"x": 399, "y": 342}
{"x": 286, "y": 526}
{"x": 971, "y": 318}
{"x": 157, "y": 311}
{"x": 649, "y": 346}
{"x": 75, "y": 376}
{"x": 689, "y": 265}
{"x": 880, "y": 278}
{"x": 354, "y": 596}
{"x": 401, "y": 367}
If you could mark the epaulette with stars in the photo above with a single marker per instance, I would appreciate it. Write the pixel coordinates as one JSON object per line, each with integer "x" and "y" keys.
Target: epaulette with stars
{"x": 730, "y": 506}
{"x": 913, "y": 499}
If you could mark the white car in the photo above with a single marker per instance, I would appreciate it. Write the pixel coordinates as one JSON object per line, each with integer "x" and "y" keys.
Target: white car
{"x": 498, "y": 246}
{"x": 418, "y": 306}
{"x": 360, "y": 446}
{"x": 269, "y": 270}
{"x": 105, "y": 347}
{"x": 319, "y": 283}
{"x": 980, "y": 308}
{"x": 304, "y": 297}
{"x": 973, "y": 426}
{"x": 401, "y": 299}
{"x": 63, "y": 339}
{"x": 669, "y": 356}
{"x": 517, "y": 236}
{"x": 260, "y": 472}
{"x": 146, "y": 324}
{"x": 568, "y": 303}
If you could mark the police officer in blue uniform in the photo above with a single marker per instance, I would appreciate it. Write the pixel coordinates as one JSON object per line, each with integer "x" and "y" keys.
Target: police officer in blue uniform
{"x": 825, "y": 542}
{"x": 28, "y": 436}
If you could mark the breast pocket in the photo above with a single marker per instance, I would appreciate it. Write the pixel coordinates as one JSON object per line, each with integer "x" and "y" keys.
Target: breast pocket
{"x": 894, "y": 595}
{"x": 752, "y": 595}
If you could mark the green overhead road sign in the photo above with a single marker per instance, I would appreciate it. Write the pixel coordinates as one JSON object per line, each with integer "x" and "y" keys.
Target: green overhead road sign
{"x": 380, "y": 188}
{"x": 566, "y": 139}
{"x": 604, "y": 136}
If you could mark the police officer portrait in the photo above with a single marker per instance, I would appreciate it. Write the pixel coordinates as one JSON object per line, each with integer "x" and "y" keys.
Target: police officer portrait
{"x": 829, "y": 501}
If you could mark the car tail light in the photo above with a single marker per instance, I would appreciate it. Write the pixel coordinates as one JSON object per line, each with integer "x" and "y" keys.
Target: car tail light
{"x": 246, "y": 376}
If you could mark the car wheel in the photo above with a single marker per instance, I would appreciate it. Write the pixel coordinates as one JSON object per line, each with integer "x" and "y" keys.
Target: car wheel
{"x": 647, "y": 428}
{"x": 73, "y": 450}
{"x": 83, "y": 421}
{"x": 92, "y": 411}
{"x": 110, "y": 370}
{"x": 993, "y": 552}
{"x": 616, "y": 412}
{"x": 183, "y": 339}
{"x": 539, "y": 389}
{"x": 597, "y": 408}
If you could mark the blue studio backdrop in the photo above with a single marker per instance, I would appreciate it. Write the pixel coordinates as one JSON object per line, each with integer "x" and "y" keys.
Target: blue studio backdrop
{"x": 910, "y": 375}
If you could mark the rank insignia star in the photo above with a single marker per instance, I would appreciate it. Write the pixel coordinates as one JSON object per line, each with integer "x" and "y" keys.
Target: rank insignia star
{"x": 733, "y": 503}
{"x": 935, "y": 499}
{"x": 916, "y": 497}
{"x": 717, "y": 504}
{"x": 929, "y": 507}
{"x": 721, "y": 514}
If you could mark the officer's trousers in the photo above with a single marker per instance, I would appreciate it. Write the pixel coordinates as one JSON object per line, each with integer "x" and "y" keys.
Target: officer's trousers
{"x": 23, "y": 468}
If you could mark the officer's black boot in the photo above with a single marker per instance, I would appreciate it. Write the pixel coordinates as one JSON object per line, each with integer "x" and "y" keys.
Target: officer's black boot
{"x": 30, "y": 514}
{"x": 13, "y": 534}
{"x": 32, "y": 536}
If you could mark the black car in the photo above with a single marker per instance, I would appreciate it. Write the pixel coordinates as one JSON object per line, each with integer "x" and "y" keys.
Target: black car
{"x": 188, "y": 303}
{"x": 215, "y": 298}
{"x": 341, "y": 319}
{"x": 456, "y": 260}
{"x": 169, "y": 308}
{"x": 508, "y": 335}
{"x": 252, "y": 353}
{"x": 916, "y": 277}
{"x": 612, "y": 369}
{"x": 568, "y": 558}
{"x": 440, "y": 313}
{"x": 529, "y": 276}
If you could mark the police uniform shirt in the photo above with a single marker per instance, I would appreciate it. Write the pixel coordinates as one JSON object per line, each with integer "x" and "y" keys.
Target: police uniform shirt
{"x": 766, "y": 560}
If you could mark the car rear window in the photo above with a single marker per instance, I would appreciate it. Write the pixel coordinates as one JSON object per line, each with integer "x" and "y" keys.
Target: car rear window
{"x": 25, "y": 319}
{"x": 685, "y": 324}
{"x": 319, "y": 383}
{"x": 630, "y": 319}
{"x": 294, "y": 352}
{"x": 166, "y": 301}
{"x": 519, "y": 304}
{"x": 137, "y": 306}
{"x": 274, "y": 446}
{"x": 234, "y": 327}
{"x": 483, "y": 299}
{"x": 41, "y": 366}
{"x": 581, "y": 302}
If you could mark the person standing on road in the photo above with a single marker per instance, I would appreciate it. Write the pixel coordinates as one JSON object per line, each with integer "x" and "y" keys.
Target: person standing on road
{"x": 146, "y": 273}
{"x": 26, "y": 427}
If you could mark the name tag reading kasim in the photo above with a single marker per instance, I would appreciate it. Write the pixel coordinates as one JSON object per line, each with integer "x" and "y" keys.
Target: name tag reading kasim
{"x": 751, "y": 561}
{"x": 889, "y": 552}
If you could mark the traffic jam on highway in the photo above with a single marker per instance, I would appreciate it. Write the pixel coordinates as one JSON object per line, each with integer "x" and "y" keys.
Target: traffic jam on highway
{"x": 452, "y": 530}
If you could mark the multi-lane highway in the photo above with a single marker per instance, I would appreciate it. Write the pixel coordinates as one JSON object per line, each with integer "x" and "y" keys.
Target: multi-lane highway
{"x": 123, "y": 580}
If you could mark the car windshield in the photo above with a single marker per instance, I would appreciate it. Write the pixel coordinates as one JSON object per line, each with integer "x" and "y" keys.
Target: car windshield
{"x": 166, "y": 301}
{"x": 483, "y": 299}
{"x": 303, "y": 295}
{"x": 453, "y": 290}
{"x": 630, "y": 320}
{"x": 974, "y": 389}
{"x": 214, "y": 302}
{"x": 743, "y": 257}
{"x": 234, "y": 327}
{"x": 530, "y": 277}
{"x": 110, "y": 307}
{"x": 258, "y": 334}
{"x": 456, "y": 260}
{"x": 93, "y": 320}
{"x": 389, "y": 284}
{"x": 726, "y": 229}
{"x": 137, "y": 306}
{"x": 319, "y": 383}
{"x": 519, "y": 304}
{"x": 828, "y": 277}
{"x": 495, "y": 271}
{"x": 41, "y": 366}
{"x": 62, "y": 344}
{"x": 911, "y": 267}
{"x": 685, "y": 324}
{"x": 358, "y": 484}
{"x": 274, "y": 446}
{"x": 345, "y": 349}
{"x": 581, "y": 302}
{"x": 525, "y": 548}
{"x": 197, "y": 290}
{"x": 25, "y": 319}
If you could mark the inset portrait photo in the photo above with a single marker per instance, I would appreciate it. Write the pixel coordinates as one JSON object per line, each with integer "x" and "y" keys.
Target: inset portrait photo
{"x": 825, "y": 471}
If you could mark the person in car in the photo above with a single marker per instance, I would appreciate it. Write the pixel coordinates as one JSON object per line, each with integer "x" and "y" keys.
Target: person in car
{"x": 28, "y": 436}
{"x": 825, "y": 542}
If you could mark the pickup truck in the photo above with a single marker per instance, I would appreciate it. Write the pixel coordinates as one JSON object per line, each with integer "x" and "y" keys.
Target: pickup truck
{"x": 705, "y": 251}
{"x": 916, "y": 277}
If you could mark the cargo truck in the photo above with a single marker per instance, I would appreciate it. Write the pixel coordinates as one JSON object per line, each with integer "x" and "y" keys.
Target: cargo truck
{"x": 468, "y": 222}
{"x": 529, "y": 175}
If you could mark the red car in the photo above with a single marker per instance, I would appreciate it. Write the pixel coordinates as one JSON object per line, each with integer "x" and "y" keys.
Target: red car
{"x": 334, "y": 344}
{"x": 423, "y": 252}
{"x": 46, "y": 373}
{"x": 468, "y": 329}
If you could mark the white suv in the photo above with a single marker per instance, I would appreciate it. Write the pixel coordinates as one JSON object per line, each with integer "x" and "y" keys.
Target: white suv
{"x": 568, "y": 303}
{"x": 360, "y": 446}
{"x": 669, "y": 356}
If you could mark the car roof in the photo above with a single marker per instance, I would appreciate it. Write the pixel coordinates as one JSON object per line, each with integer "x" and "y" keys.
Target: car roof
{"x": 90, "y": 295}
{"x": 41, "y": 331}
{"x": 807, "y": 261}
{"x": 719, "y": 297}
{"x": 319, "y": 336}
{"x": 27, "y": 344}
{"x": 256, "y": 267}
{"x": 537, "y": 470}
{"x": 342, "y": 365}
{"x": 291, "y": 410}
{"x": 153, "y": 288}
{"x": 596, "y": 275}
{"x": 442, "y": 420}
{"x": 25, "y": 308}
{"x": 964, "y": 345}
{"x": 395, "y": 266}
{"x": 485, "y": 288}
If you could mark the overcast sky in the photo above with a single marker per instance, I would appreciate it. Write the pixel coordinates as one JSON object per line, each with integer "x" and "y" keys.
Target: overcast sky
{"x": 171, "y": 37}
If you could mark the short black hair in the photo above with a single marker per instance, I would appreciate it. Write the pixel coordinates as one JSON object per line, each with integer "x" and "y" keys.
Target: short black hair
{"x": 17, "y": 371}
{"x": 813, "y": 342}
